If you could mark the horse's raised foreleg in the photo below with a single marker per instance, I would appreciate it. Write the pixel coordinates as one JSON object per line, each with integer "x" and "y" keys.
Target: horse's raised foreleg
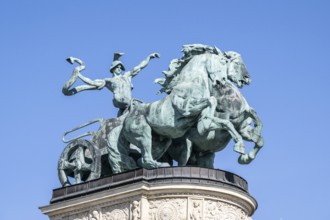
{"x": 208, "y": 123}
{"x": 256, "y": 131}
{"x": 247, "y": 158}
{"x": 254, "y": 135}
{"x": 219, "y": 123}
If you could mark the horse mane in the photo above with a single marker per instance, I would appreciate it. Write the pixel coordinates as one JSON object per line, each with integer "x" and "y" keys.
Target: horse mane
{"x": 176, "y": 65}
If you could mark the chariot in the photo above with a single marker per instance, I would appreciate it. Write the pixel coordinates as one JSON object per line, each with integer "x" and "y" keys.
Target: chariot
{"x": 85, "y": 159}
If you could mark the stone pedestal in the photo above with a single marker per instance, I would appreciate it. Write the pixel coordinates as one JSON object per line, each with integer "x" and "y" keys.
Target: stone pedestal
{"x": 173, "y": 193}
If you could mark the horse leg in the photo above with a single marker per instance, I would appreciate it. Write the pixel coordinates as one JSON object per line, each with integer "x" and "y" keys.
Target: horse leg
{"x": 160, "y": 146}
{"x": 219, "y": 123}
{"x": 206, "y": 160}
{"x": 200, "y": 159}
{"x": 118, "y": 151}
{"x": 256, "y": 131}
{"x": 145, "y": 144}
{"x": 138, "y": 132}
{"x": 247, "y": 158}
{"x": 206, "y": 117}
{"x": 253, "y": 135}
{"x": 248, "y": 133}
{"x": 180, "y": 150}
{"x": 192, "y": 161}
{"x": 208, "y": 122}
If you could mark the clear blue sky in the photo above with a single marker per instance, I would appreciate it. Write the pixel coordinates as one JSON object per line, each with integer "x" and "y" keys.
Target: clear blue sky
{"x": 285, "y": 46}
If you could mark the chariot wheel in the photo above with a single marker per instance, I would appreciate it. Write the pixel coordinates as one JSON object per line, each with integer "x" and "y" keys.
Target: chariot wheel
{"x": 79, "y": 160}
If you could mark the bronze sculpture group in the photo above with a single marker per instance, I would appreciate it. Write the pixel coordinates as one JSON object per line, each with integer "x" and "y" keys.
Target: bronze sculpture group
{"x": 202, "y": 111}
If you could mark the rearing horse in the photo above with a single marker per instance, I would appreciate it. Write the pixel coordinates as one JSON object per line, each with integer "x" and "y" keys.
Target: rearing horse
{"x": 151, "y": 127}
{"x": 199, "y": 148}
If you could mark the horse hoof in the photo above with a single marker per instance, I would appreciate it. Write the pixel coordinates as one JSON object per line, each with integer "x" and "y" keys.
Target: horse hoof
{"x": 151, "y": 164}
{"x": 139, "y": 162}
{"x": 244, "y": 159}
{"x": 163, "y": 164}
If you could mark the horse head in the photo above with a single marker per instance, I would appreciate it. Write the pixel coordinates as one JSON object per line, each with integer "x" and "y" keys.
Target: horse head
{"x": 237, "y": 71}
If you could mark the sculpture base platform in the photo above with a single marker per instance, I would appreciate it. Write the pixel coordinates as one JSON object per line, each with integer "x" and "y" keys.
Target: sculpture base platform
{"x": 173, "y": 193}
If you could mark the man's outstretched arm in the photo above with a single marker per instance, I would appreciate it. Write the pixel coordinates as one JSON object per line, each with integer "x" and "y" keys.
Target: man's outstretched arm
{"x": 91, "y": 84}
{"x": 143, "y": 64}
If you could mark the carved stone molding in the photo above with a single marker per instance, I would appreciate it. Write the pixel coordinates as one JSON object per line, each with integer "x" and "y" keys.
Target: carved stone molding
{"x": 80, "y": 216}
{"x": 116, "y": 212}
{"x": 222, "y": 211}
{"x": 164, "y": 207}
{"x": 94, "y": 214}
{"x": 167, "y": 209}
{"x": 159, "y": 199}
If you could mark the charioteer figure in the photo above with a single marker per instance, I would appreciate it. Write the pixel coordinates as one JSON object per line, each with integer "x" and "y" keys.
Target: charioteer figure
{"x": 120, "y": 83}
